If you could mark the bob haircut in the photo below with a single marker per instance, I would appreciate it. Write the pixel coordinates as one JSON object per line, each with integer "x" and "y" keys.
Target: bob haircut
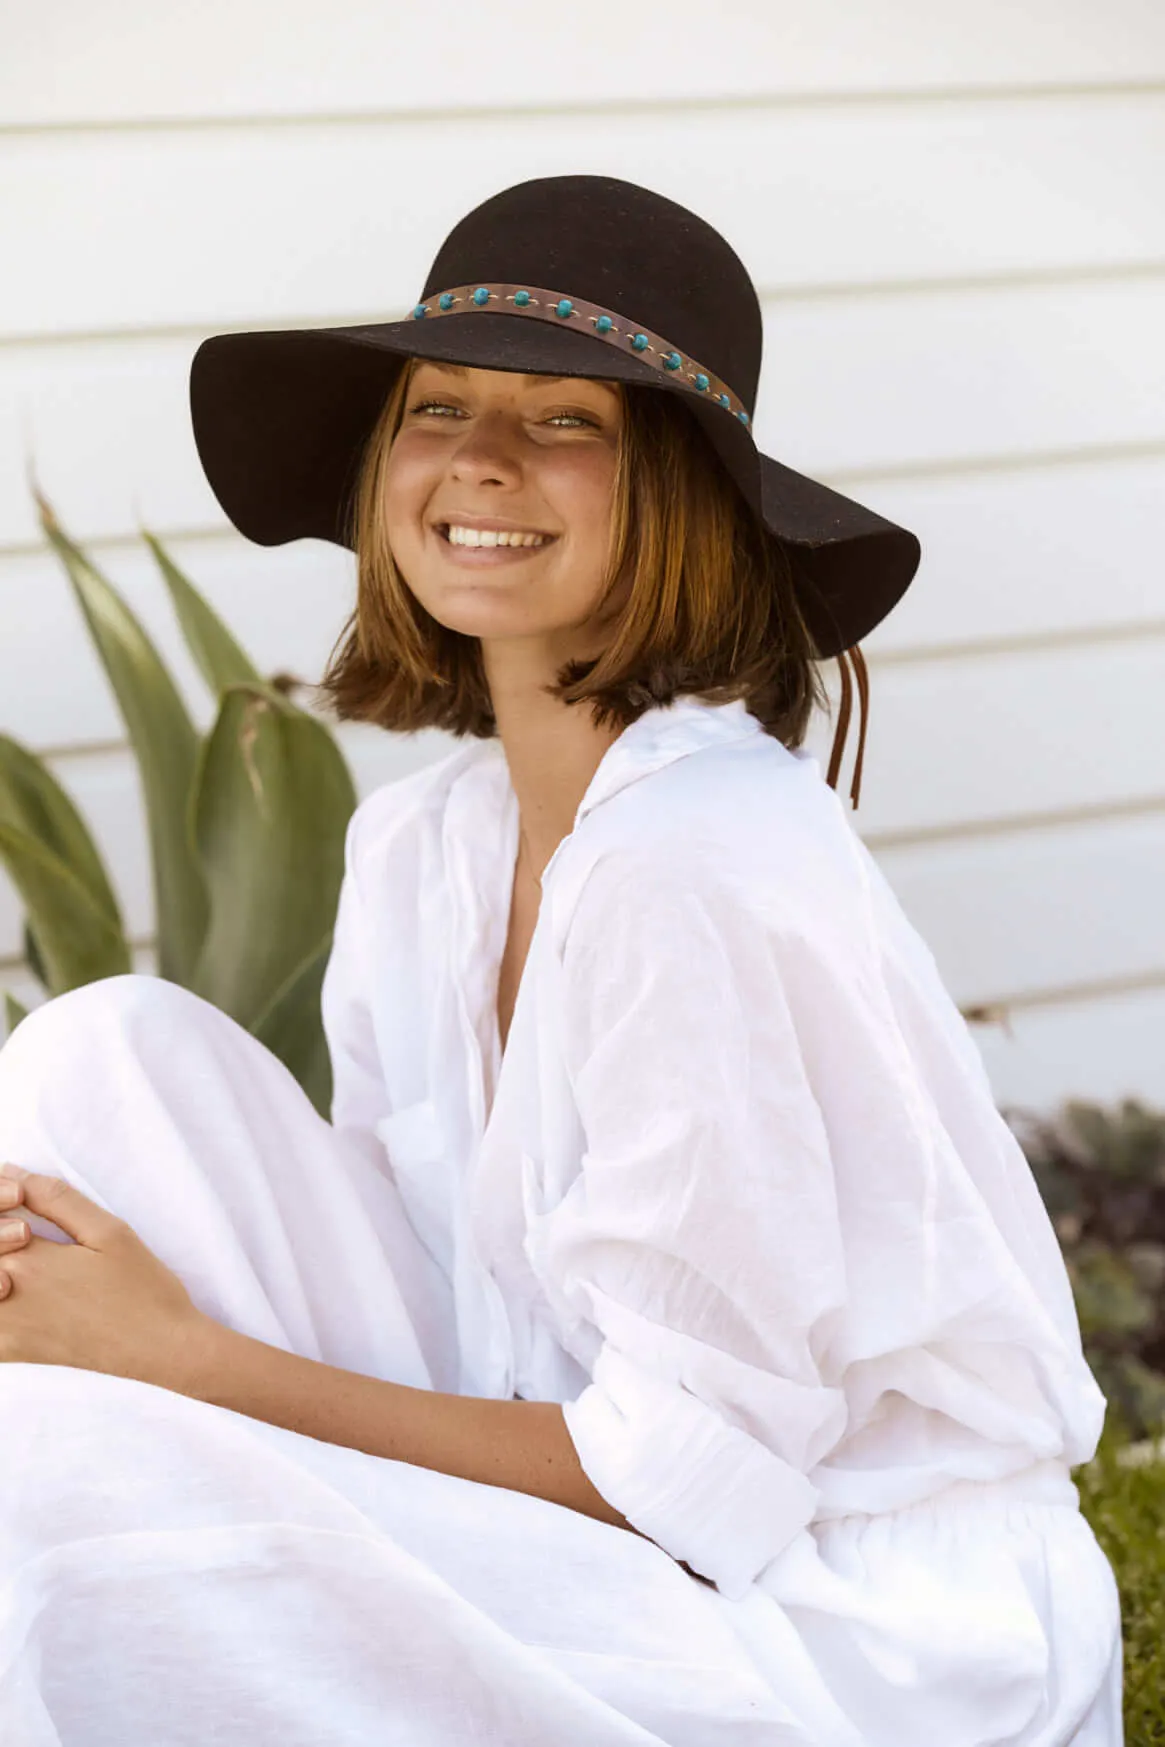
{"x": 710, "y": 610}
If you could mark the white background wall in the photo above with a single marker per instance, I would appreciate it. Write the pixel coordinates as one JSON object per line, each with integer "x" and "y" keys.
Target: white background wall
{"x": 954, "y": 214}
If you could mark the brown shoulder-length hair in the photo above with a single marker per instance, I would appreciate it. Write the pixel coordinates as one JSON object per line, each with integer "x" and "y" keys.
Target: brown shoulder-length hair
{"x": 710, "y": 610}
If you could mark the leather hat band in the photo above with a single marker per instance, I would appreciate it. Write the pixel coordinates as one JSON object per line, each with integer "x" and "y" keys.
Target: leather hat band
{"x": 604, "y": 324}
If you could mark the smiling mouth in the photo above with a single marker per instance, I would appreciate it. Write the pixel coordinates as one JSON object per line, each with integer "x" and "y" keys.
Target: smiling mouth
{"x": 528, "y": 539}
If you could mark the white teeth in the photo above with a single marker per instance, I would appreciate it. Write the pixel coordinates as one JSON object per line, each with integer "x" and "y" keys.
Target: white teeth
{"x": 459, "y": 536}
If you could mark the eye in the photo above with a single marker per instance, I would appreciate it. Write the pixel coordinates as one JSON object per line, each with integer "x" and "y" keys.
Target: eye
{"x": 439, "y": 405}
{"x": 444, "y": 406}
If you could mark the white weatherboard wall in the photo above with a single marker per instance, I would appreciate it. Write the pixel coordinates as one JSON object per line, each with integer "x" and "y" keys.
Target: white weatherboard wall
{"x": 953, "y": 214}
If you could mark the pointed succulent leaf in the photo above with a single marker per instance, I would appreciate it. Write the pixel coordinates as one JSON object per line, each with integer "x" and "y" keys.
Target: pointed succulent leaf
{"x": 33, "y": 801}
{"x": 76, "y": 940}
{"x": 272, "y": 802}
{"x": 32, "y": 957}
{"x": 220, "y": 658}
{"x": 165, "y": 742}
{"x": 292, "y": 1028}
{"x": 14, "y": 1012}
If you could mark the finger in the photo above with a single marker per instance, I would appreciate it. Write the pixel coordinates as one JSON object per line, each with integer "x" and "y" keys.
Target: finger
{"x": 13, "y": 1232}
{"x": 81, "y": 1219}
{"x": 5, "y": 1284}
{"x": 10, "y": 1193}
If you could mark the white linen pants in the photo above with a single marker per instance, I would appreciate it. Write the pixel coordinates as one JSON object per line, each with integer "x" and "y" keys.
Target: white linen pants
{"x": 174, "y": 1573}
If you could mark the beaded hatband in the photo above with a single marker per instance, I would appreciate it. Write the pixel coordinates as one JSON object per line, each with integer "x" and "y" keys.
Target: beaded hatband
{"x": 553, "y": 306}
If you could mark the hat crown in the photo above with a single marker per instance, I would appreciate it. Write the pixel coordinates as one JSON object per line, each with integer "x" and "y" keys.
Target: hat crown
{"x": 613, "y": 243}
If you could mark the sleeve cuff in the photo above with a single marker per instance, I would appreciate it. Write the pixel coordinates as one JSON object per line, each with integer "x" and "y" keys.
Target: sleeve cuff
{"x": 707, "y": 1493}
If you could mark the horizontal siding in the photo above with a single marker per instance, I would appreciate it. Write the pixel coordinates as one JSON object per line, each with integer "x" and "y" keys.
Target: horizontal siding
{"x": 129, "y": 60}
{"x": 1025, "y": 913}
{"x": 1062, "y": 550}
{"x": 853, "y": 388}
{"x": 860, "y": 386}
{"x": 1101, "y": 1048}
{"x": 989, "y": 740}
{"x": 242, "y": 226}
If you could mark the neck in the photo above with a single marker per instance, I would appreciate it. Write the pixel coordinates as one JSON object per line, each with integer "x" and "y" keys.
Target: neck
{"x": 552, "y": 750}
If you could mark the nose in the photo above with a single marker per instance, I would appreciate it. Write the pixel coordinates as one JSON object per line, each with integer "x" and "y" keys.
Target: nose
{"x": 488, "y": 452}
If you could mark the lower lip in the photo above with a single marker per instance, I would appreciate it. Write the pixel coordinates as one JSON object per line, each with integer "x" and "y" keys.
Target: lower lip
{"x": 485, "y": 557}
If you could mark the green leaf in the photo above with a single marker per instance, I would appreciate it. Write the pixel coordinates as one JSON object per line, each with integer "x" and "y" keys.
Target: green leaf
{"x": 32, "y": 957}
{"x": 14, "y": 1012}
{"x": 221, "y": 660}
{"x": 33, "y": 801}
{"x": 77, "y": 941}
{"x": 292, "y": 1028}
{"x": 272, "y": 802}
{"x": 165, "y": 742}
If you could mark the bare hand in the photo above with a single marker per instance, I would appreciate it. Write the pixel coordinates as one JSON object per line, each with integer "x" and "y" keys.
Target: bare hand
{"x": 101, "y": 1303}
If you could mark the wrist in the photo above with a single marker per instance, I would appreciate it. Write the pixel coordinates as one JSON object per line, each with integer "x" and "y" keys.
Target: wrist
{"x": 193, "y": 1355}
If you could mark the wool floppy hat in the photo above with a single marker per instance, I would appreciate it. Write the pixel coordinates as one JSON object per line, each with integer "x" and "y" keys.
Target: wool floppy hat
{"x": 558, "y": 276}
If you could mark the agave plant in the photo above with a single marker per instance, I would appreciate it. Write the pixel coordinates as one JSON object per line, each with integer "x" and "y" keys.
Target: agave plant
{"x": 246, "y": 830}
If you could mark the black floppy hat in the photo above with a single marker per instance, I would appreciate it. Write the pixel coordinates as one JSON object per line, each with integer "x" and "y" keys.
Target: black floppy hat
{"x": 558, "y": 276}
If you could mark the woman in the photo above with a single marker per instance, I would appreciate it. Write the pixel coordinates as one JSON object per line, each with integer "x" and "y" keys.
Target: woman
{"x": 666, "y": 1341}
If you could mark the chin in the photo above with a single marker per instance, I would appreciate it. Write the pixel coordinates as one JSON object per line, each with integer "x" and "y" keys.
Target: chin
{"x": 486, "y": 621}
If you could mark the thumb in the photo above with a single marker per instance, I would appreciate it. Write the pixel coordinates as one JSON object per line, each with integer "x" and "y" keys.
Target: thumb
{"x": 51, "y": 1197}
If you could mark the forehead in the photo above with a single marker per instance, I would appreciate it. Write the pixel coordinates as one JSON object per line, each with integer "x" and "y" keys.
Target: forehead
{"x": 515, "y": 378}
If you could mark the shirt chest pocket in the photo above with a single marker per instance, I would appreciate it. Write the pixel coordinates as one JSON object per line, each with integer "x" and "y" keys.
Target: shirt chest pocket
{"x": 418, "y": 1157}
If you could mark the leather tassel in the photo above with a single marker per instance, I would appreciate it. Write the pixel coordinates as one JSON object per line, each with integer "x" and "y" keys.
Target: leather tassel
{"x": 845, "y": 710}
{"x": 863, "y": 679}
{"x": 843, "y": 715}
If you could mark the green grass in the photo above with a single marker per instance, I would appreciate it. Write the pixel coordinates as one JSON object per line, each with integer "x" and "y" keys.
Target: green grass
{"x": 1126, "y": 1508}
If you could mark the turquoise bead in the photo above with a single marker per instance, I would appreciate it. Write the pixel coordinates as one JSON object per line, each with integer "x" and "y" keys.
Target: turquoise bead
{"x": 743, "y": 417}
{"x": 422, "y": 309}
{"x": 672, "y": 361}
{"x": 604, "y": 324}
{"x": 480, "y": 296}
{"x": 521, "y": 298}
{"x": 639, "y": 342}
{"x": 724, "y": 400}
{"x": 564, "y": 307}
{"x": 702, "y": 383}
{"x": 446, "y": 300}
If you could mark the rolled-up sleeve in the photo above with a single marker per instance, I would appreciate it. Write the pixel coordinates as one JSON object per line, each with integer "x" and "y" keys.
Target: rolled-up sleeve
{"x": 699, "y": 1250}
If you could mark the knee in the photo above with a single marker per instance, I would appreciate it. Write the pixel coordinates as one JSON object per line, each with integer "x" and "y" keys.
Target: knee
{"x": 84, "y": 1021}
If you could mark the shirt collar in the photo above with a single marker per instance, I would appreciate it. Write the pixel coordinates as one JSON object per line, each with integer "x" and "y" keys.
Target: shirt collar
{"x": 660, "y": 736}
{"x": 657, "y": 738}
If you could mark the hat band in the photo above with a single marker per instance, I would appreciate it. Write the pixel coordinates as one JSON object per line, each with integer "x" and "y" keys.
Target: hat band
{"x": 605, "y": 324}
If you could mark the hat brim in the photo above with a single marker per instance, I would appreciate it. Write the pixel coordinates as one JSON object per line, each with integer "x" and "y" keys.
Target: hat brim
{"x": 281, "y": 419}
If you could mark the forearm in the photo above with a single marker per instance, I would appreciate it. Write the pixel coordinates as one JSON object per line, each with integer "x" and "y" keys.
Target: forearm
{"x": 521, "y": 1445}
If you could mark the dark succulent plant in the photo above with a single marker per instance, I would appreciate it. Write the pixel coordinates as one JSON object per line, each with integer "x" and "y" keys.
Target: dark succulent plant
{"x": 1101, "y": 1173}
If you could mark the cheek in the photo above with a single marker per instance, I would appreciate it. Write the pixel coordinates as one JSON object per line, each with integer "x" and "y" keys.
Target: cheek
{"x": 407, "y": 484}
{"x": 583, "y": 490}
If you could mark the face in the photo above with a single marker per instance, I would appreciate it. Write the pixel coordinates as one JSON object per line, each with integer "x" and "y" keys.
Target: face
{"x": 497, "y": 499}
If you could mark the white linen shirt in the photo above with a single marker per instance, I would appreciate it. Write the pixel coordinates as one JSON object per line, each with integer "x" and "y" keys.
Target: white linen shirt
{"x": 737, "y": 1195}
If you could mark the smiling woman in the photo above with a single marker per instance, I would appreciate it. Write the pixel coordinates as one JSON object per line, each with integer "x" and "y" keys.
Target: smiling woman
{"x": 664, "y": 1344}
